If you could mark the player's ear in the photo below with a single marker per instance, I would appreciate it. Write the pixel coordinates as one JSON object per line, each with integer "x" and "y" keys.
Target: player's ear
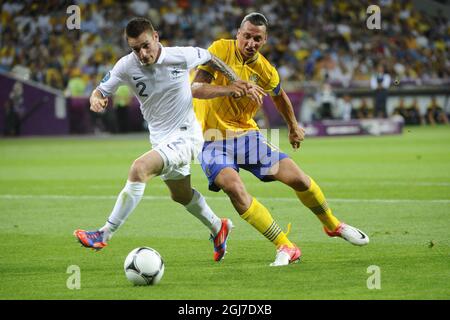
{"x": 155, "y": 36}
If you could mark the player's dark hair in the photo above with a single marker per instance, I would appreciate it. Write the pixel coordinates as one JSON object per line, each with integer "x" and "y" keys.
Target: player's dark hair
{"x": 255, "y": 18}
{"x": 137, "y": 26}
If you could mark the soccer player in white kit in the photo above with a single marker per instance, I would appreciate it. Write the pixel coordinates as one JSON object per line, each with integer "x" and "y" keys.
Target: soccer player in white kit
{"x": 159, "y": 78}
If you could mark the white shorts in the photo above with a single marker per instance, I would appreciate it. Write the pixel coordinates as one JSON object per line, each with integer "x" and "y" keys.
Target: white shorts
{"x": 179, "y": 149}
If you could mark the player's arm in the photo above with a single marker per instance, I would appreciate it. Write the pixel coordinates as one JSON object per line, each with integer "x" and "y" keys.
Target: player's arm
{"x": 98, "y": 101}
{"x": 218, "y": 65}
{"x": 108, "y": 86}
{"x": 284, "y": 107}
{"x": 202, "y": 88}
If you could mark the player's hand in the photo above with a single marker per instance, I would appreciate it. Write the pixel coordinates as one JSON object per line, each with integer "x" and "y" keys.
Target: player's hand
{"x": 256, "y": 93}
{"x": 98, "y": 102}
{"x": 241, "y": 88}
{"x": 238, "y": 89}
{"x": 296, "y": 136}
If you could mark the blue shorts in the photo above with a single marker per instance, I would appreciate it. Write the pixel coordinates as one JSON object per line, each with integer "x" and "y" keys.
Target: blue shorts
{"x": 250, "y": 152}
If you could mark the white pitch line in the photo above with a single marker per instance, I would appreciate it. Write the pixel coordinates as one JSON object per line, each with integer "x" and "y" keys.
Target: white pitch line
{"x": 388, "y": 183}
{"x": 329, "y": 184}
{"x": 293, "y": 199}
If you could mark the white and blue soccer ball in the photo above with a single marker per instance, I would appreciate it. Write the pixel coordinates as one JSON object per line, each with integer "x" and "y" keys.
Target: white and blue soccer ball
{"x": 144, "y": 266}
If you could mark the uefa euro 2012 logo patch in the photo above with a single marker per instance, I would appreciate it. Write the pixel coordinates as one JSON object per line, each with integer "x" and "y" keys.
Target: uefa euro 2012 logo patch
{"x": 106, "y": 78}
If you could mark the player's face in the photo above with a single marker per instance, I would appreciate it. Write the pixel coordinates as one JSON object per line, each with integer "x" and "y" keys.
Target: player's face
{"x": 250, "y": 39}
{"x": 146, "y": 47}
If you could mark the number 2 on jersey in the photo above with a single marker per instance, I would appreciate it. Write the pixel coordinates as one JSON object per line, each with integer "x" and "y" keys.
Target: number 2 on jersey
{"x": 142, "y": 87}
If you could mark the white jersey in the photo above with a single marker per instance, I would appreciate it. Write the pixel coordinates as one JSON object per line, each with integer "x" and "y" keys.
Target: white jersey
{"x": 162, "y": 88}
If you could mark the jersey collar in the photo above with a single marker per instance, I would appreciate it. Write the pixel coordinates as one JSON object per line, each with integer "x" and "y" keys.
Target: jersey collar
{"x": 162, "y": 54}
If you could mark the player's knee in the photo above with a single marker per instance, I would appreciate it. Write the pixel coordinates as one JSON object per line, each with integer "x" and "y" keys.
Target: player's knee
{"x": 293, "y": 176}
{"x": 298, "y": 183}
{"x": 235, "y": 189}
{"x": 139, "y": 171}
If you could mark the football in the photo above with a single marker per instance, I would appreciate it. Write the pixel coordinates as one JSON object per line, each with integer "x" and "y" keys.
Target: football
{"x": 144, "y": 266}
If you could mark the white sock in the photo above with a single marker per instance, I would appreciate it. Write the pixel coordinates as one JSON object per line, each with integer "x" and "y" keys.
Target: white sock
{"x": 200, "y": 209}
{"x": 126, "y": 202}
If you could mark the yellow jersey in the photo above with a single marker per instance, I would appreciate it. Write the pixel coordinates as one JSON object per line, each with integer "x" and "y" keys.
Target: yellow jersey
{"x": 226, "y": 114}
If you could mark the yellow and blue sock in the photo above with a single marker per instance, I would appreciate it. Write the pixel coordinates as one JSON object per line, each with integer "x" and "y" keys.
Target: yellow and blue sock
{"x": 261, "y": 219}
{"x": 314, "y": 199}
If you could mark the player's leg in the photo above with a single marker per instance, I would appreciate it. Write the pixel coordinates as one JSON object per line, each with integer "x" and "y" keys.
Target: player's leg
{"x": 250, "y": 209}
{"x": 182, "y": 192}
{"x": 310, "y": 194}
{"x": 254, "y": 154}
{"x": 143, "y": 169}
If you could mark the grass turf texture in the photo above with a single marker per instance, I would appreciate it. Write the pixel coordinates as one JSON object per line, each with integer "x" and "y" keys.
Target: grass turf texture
{"x": 391, "y": 187}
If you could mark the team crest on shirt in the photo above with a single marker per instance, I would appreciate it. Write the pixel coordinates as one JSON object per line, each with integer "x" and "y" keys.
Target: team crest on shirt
{"x": 106, "y": 77}
{"x": 175, "y": 73}
{"x": 254, "y": 78}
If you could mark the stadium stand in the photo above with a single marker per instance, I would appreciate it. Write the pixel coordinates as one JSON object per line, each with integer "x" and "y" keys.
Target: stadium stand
{"x": 311, "y": 41}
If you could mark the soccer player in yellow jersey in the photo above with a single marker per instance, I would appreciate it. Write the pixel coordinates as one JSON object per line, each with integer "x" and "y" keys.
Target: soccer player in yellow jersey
{"x": 233, "y": 140}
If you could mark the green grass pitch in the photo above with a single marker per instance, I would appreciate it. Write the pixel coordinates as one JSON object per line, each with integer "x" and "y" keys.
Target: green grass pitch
{"x": 395, "y": 188}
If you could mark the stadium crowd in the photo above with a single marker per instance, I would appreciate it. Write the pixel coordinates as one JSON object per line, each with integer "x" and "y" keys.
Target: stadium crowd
{"x": 325, "y": 105}
{"x": 310, "y": 40}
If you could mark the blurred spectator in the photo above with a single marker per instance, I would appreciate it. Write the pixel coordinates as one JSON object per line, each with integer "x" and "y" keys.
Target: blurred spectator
{"x": 361, "y": 73}
{"x": 414, "y": 116}
{"x": 364, "y": 110}
{"x": 92, "y": 82}
{"x": 14, "y": 110}
{"x": 54, "y": 78}
{"x": 380, "y": 83}
{"x": 21, "y": 71}
{"x": 326, "y": 100}
{"x": 121, "y": 104}
{"x": 401, "y": 110}
{"x": 139, "y": 7}
{"x": 435, "y": 113}
{"x": 12, "y": 119}
{"x": 7, "y": 54}
{"x": 343, "y": 108}
{"x": 411, "y": 115}
{"x": 313, "y": 40}
{"x": 340, "y": 74}
{"x": 308, "y": 109}
{"x": 76, "y": 86}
